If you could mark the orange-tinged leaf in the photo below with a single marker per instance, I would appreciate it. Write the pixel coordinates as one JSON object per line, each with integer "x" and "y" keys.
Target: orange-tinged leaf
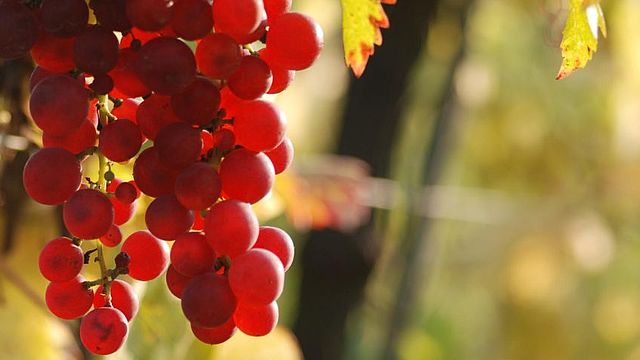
{"x": 361, "y": 23}
{"x": 580, "y": 35}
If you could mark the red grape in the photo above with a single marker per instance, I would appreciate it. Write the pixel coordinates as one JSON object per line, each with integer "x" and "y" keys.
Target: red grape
{"x": 51, "y": 176}
{"x": 251, "y": 79}
{"x": 256, "y": 277}
{"x": 152, "y": 176}
{"x": 166, "y": 218}
{"x": 55, "y": 114}
{"x": 191, "y": 255}
{"x": 192, "y": 19}
{"x": 231, "y": 228}
{"x": 53, "y": 53}
{"x": 215, "y": 335}
{"x": 218, "y": 56}
{"x": 256, "y": 320}
{"x": 126, "y": 193}
{"x": 88, "y": 214}
{"x": 278, "y": 242}
{"x": 294, "y": 41}
{"x": 259, "y": 125}
{"x": 96, "y": 50}
{"x": 64, "y": 18}
{"x": 282, "y": 156}
{"x": 198, "y": 186}
{"x": 237, "y": 17}
{"x": 104, "y": 330}
{"x": 60, "y": 260}
{"x": 207, "y": 300}
{"x": 149, "y": 15}
{"x": 198, "y": 103}
{"x": 246, "y": 175}
{"x": 166, "y": 65}
{"x": 125, "y": 79}
{"x": 176, "y": 282}
{"x": 149, "y": 255}
{"x": 70, "y": 299}
{"x": 113, "y": 237}
{"x": 120, "y": 140}
{"x": 18, "y": 29}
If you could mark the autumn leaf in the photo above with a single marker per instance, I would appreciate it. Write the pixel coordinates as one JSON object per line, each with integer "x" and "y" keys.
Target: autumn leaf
{"x": 580, "y": 35}
{"x": 361, "y": 23}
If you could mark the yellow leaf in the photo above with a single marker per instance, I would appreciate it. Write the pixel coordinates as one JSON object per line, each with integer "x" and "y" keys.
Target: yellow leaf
{"x": 361, "y": 23}
{"x": 580, "y": 35}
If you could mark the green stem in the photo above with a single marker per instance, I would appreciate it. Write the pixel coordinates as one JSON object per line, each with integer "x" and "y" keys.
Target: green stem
{"x": 104, "y": 115}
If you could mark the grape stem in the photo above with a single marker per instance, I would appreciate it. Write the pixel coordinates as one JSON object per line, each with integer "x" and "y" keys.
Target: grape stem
{"x": 104, "y": 115}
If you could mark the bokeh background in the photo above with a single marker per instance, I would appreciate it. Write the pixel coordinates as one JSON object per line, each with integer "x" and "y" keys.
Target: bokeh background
{"x": 456, "y": 202}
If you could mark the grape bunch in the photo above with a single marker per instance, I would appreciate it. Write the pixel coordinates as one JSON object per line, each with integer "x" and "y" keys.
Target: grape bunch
{"x": 126, "y": 85}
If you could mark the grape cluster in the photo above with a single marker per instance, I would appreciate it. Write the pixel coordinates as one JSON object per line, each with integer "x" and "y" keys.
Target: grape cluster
{"x": 129, "y": 87}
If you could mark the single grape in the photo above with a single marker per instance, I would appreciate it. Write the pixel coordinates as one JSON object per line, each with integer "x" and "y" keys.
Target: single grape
{"x": 96, "y": 50}
{"x": 282, "y": 156}
{"x": 51, "y": 176}
{"x": 192, "y": 19}
{"x": 215, "y": 335}
{"x": 166, "y": 65}
{"x": 151, "y": 175}
{"x": 207, "y": 301}
{"x": 149, "y": 255}
{"x": 166, "y": 218}
{"x": 259, "y": 125}
{"x": 191, "y": 255}
{"x": 251, "y": 79}
{"x": 120, "y": 140}
{"x": 69, "y": 299}
{"x": 275, "y": 8}
{"x": 198, "y": 103}
{"x": 176, "y": 282}
{"x": 64, "y": 18}
{"x": 218, "y": 56}
{"x": 127, "y": 110}
{"x": 246, "y": 175}
{"x": 122, "y": 212}
{"x": 113, "y": 237}
{"x": 54, "y": 53}
{"x": 294, "y": 41}
{"x": 278, "y": 242}
{"x": 55, "y": 114}
{"x": 256, "y": 320}
{"x": 88, "y": 214}
{"x": 231, "y": 228}
{"x": 126, "y": 193}
{"x": 60, "y": 260}
{"x": 237, "y": 17}
{"x": 256, "y": 277}
{"x": 149, "y": 15}
{"x": 104, "y": 330}
{"x": 18, "y": 29}
{"x": 197, "y": 186}
{"x": 102, "y": 84}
